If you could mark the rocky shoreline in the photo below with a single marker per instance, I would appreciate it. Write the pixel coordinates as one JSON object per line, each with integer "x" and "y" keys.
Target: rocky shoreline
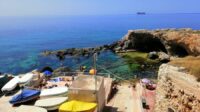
{"x": 161, "y": 44}
{"x": 175, "y": 84}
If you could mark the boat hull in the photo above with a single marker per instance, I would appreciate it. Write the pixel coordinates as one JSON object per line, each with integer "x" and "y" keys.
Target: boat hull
{"x": 51, "y": 103}
{"x": 25, "y": 96}
{"x": 54, "y": 92}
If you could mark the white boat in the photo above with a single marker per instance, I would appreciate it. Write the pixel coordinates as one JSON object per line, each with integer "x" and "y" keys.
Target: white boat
{"x": 51, "y": 103}
{"x": 26, "y": 78}
{"x": 11, "y": 85}
{"x": 26, "y": 108}
{"x": 3, "y": 80}
{"x": 55, "y": 91}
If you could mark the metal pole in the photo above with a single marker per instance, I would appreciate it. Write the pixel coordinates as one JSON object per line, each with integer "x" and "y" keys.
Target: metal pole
{"x": 95, "y": 77}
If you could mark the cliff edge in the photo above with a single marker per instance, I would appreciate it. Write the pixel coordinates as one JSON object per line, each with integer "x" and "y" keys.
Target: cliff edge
{"x": 176, "y": 42}
{"x": 176, "y": 90}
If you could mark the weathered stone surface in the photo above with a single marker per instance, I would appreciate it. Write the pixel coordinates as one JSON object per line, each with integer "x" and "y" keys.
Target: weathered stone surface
{"x": 163, "y": 57}
{"x": 172, "y": 41}
{"x": 176, "y": 89}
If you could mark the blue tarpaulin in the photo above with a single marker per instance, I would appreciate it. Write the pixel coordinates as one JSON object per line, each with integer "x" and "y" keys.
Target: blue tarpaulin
{"x": 25, "y": 95}
{"x": 47, "y": 73}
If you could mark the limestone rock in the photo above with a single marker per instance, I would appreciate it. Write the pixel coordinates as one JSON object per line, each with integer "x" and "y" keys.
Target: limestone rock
{"x": 176, "y": 42}
{"x": 163, "y": 57}
{"x": 176, "y": 89}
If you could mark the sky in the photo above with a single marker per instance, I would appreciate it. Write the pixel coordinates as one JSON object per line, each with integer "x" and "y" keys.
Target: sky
{"x": 95, "y": 7}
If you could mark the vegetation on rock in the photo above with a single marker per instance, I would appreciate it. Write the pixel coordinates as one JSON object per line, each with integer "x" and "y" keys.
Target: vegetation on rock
{"x": 192, "y": 64}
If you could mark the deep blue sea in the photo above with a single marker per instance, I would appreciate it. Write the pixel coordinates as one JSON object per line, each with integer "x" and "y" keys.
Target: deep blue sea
{"x": 23, "y": 38}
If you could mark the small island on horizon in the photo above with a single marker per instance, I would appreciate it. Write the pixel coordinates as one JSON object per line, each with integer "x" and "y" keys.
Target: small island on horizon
{"x": 141, "y": 13}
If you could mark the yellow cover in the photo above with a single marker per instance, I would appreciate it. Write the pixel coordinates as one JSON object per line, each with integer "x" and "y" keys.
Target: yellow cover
{"x": 76, "y": 106}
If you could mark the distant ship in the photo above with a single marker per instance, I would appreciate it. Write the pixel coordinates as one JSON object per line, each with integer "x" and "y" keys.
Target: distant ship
{"x": 141, "y": 13}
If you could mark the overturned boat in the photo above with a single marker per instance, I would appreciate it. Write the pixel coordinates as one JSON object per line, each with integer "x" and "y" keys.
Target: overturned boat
{"x": 26, "y": 108}
{"x": 54, "y": 92}
{"x": 25, "y": 78}
{"x": 11, "y": 85}
{"x": 4, "y": 79}
{"x": 51, "y": 103}
{"x": 25, "y": 96}
{"x": 77, "y": 106}
{"x": 17, "y": 80}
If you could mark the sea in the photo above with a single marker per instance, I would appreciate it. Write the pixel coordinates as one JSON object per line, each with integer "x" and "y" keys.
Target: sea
{"x": 22, "y": 39}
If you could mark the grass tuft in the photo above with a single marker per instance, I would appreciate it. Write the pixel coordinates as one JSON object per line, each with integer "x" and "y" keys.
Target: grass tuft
{"x": 192, "y": 64}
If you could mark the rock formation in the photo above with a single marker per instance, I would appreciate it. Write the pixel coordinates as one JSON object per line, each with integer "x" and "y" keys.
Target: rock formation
{"x": 176, "y": 90}
{"x": 178, "y": 42}
{"x": 173, "y": 42}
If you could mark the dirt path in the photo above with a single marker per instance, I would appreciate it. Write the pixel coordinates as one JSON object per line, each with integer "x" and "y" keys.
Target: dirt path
{"x": 125, "y": 100}
{"x": 5, "y": 106}
{"x": 137, "y": 92}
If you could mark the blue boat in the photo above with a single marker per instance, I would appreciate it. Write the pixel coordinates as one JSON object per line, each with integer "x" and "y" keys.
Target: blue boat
{"x": 25, "y": 96}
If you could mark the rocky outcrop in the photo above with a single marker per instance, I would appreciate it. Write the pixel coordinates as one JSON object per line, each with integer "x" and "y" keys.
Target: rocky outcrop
{"x": 176, "y": 42}
{"x": 80, "y": 51}
{"x": 161, "y": 56}
{"x": 176, "y": 90}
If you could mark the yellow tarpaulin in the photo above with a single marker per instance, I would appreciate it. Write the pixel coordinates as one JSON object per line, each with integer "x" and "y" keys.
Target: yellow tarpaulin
{"x": 76, "y": 106}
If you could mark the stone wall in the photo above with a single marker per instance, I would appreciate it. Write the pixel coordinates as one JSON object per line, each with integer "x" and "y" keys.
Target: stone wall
{"x": 176, "y": 90}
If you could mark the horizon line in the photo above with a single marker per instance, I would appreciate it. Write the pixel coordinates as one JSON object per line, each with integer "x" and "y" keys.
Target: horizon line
{"x": 98, "y": 14}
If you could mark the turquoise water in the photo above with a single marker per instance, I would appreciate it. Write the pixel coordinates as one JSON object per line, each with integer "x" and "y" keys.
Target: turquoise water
{"x": 23, "y": 38}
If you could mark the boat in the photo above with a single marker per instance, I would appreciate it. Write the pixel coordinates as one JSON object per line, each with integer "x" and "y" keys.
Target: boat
{"x": 26, "y": 108}
{"x": 17, "y": 80}
{"x": 52, "y": 92}
{"x": 51, "y": 103}
{"x": 3, "y": 79}
{"x": 25, "y": 78}
{"x": 77, "y": 106}
{"x": 25, "y": 96}
{"x": 11, "y": 85}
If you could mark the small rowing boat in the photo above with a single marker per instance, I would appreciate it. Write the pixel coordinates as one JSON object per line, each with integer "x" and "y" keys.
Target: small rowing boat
{"x": 55, "y": 91}
{"x": 26, "y": 108}
{"x": 25, "y": 96}
{"x": 77, "y": 106}
{"x": 11, "y": 85}
{"x": 25, "y": 78}
{"x": 3, "y": 79}
{"x": 51, "y": 103}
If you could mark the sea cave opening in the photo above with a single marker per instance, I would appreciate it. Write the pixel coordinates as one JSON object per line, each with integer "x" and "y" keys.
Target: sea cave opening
{"x": 147, "y": 42}
{"x": 178, "y": 50}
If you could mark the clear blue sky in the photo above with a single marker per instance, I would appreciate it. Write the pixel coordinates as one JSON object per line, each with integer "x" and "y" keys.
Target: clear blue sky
{"x": 95, "y": 7}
